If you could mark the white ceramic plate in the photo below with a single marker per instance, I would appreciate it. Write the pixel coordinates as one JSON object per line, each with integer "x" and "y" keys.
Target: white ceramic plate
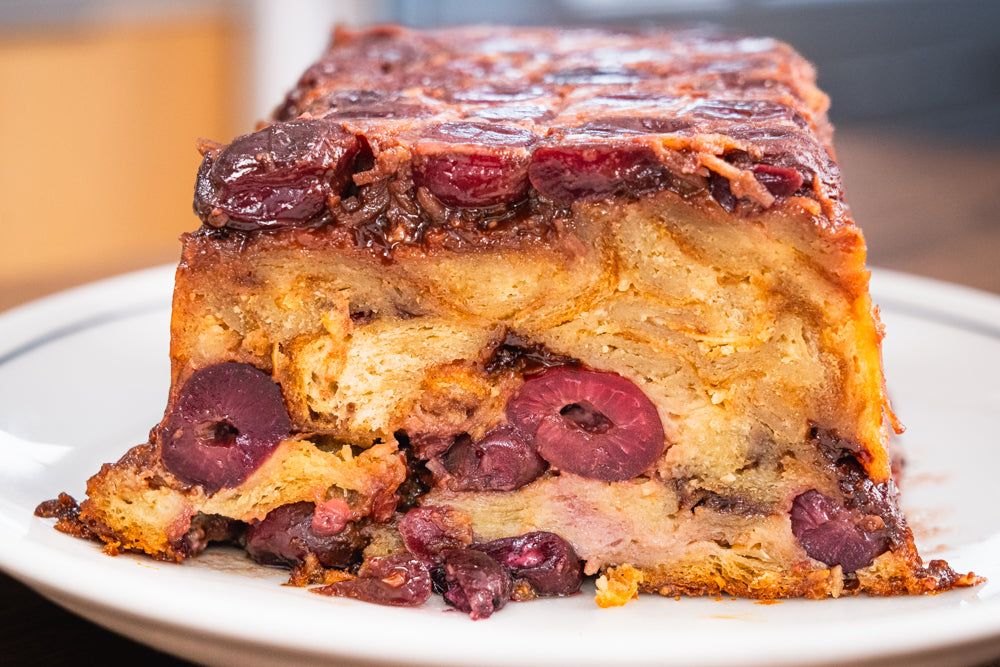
{"x": 83, "y": 375}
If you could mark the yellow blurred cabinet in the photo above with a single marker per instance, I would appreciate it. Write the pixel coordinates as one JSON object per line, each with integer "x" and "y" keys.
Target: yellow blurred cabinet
{"x": 97, "y": 143}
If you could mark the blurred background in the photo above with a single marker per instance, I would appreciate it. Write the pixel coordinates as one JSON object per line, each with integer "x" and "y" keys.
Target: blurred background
{"x": 101, "y": 102}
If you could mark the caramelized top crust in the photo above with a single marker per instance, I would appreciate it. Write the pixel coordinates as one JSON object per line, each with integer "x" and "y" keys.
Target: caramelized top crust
{"x": 487, "y": 135}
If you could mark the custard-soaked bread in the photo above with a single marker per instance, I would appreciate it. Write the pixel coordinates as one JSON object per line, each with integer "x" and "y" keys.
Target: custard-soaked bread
{"x": 490, "y": 306}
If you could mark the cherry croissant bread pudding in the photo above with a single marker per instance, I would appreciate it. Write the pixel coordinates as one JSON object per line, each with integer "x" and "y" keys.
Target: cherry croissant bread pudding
{"x": 482, "y": 312}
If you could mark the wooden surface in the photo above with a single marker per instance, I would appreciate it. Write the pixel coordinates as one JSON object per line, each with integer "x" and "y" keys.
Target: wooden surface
{"x": 927, "y": 207}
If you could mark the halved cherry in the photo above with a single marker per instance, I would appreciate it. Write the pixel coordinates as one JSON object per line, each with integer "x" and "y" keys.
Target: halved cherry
{"x": 590, "y": 423}
{"x": 226, "y": 421}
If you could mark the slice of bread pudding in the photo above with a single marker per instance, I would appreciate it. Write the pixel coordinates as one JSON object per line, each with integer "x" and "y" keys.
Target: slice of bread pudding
{"x": 483, "y": 309}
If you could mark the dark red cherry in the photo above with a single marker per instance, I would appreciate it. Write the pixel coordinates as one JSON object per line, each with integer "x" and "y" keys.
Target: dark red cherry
{"x": 282, "y": 174}
{"x": 285, "y": 536}
{"x": 429, "y": 531}
{"x": 401, "y": 580}
{"x": 594, "y": 170}
{"x": 226, "y": 421}
{"x": 834, "y": 535}
{"x": 502, "y": 460}
{"x": 779, "y": 181}
{"x": 589, "y": 423}
{"x": 474, "y": 164}
{"x": 721, "y": 191}
{"x": 475, "y": 583}
{"x": 544, "y": 560}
